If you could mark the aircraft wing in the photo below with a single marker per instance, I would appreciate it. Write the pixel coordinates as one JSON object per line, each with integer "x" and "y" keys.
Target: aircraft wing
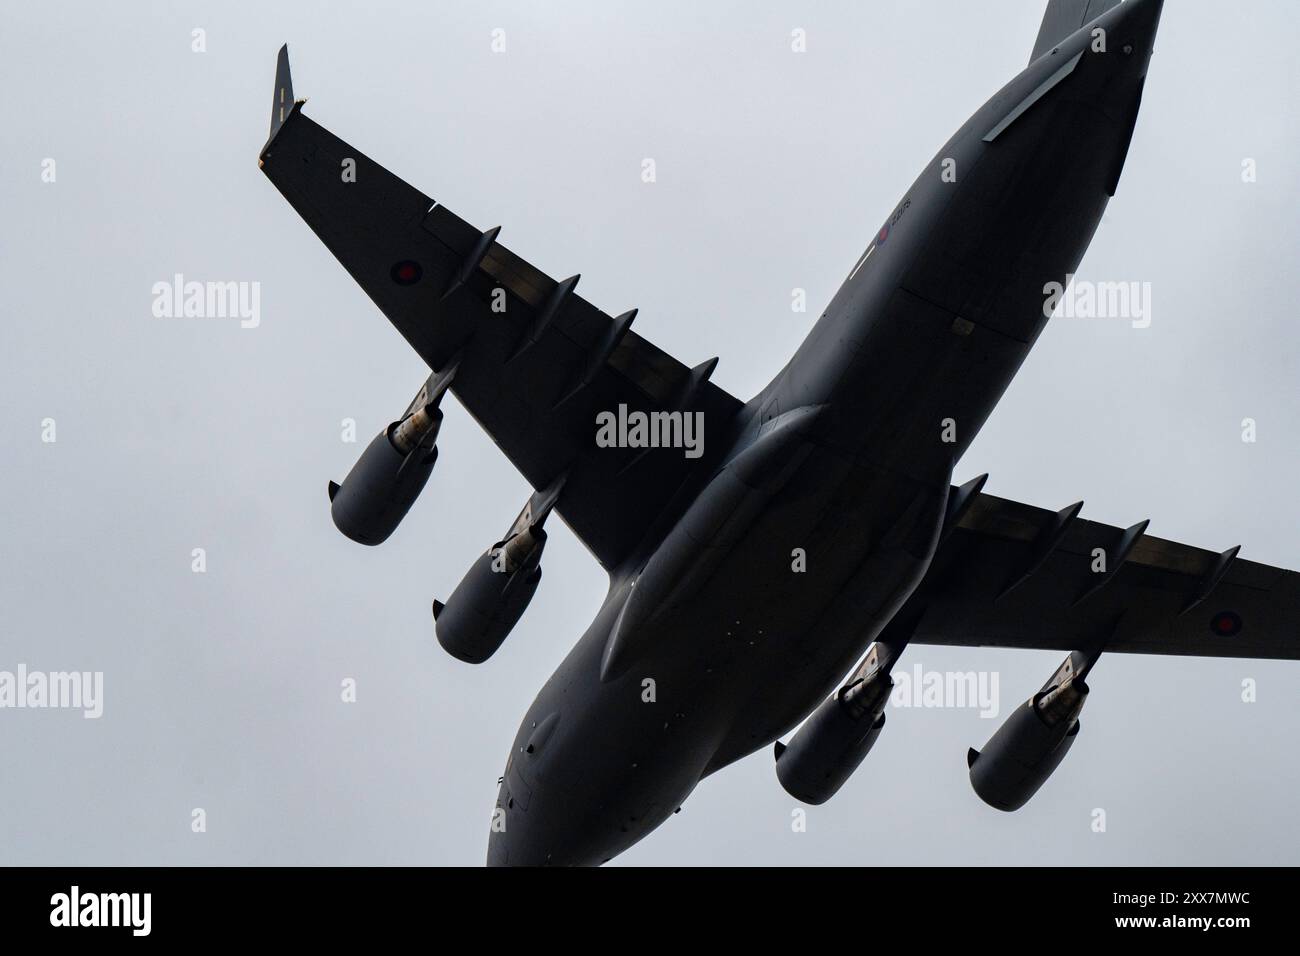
{"x": 1012, "y": 575}
{"x": 536, "y": 362}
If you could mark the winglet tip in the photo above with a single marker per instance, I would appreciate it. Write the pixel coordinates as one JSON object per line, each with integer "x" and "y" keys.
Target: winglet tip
{"x": 283, "y": 101}
{"x": 283, "y": 74}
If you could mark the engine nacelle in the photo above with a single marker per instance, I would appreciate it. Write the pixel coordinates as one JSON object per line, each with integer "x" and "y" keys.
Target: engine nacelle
{"x": 491, "y": 598}
{"x": 833, "y": 742}
{"x": 1029, "y": 746}
{"x": 394, "y": 468}
{"x": 380, "y": 489}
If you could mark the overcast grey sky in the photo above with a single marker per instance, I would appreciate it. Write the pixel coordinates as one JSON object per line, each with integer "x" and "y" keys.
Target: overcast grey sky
{"x": 222, "y": 689}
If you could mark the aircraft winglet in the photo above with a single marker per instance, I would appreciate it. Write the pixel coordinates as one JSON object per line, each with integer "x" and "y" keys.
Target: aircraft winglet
{"x": 282, "y": 104}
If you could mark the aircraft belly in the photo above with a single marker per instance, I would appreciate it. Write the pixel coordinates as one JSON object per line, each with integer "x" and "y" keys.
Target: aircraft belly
{"x": 864, "y": 558}
{"x": 804, "y": 588}
{"x": 791, "y": 605}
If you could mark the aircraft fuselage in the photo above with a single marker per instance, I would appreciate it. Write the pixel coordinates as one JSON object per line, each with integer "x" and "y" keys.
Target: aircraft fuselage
{"x": 794, "y": 553}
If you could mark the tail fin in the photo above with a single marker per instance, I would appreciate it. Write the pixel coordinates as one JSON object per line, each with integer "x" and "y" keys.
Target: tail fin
{"x": 1062, "y": 19}
{"x": 282, "y": 103}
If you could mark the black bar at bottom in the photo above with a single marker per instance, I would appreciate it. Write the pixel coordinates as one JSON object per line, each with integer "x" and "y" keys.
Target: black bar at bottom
{"x": 673, "y": 906}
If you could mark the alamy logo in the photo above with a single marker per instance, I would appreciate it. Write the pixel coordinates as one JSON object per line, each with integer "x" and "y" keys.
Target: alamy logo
{"x": 947, "y": 689}
{"x": 75, "y": 908}
{"x": 179, "y": 299}
{"x": 1099, "y": 300}
{"x": 626, "y": 429}
{"x": 66, "y": 690}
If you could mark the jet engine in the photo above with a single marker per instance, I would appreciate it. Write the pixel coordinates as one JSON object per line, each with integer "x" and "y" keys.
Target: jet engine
{"x": 496, "y": 590}
{"x": 392, "y": 471}
{"x": 837, "y": 737}
{"x": 1032, "y": 742}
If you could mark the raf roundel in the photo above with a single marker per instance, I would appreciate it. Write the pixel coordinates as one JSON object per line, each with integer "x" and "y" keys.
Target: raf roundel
{"x": 1226, "y": 624}
{"x": 407, "y": 272}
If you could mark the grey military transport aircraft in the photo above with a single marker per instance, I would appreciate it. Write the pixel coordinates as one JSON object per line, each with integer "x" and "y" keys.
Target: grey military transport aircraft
{"x": 710, "y": 643}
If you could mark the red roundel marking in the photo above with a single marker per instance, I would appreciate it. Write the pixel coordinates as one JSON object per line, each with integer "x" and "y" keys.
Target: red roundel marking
{"x": 1226, "y": 624}
{"x": 407, "y": 272}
